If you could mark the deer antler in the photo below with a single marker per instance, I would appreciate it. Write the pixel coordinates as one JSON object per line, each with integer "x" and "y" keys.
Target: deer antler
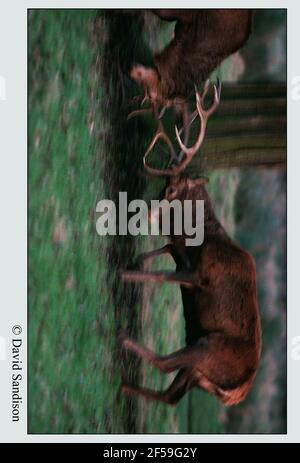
{"x": 159, "y": 134}
{"x": 177, "y": 164}
{"x": 204, "y": 115}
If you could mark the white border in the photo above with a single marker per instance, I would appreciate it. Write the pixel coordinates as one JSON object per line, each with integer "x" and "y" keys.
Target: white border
{"x": 13, "y": 204}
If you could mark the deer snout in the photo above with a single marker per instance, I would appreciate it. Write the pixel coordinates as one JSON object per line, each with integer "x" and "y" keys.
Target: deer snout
{"x": 147, "y": 77}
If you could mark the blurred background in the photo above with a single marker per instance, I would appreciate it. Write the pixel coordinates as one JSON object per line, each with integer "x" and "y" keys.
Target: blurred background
{"x": 83, "y": 149}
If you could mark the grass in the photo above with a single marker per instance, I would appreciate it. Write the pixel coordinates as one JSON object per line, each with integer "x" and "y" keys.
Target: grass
{"x": 76, "y": 302}
{"x": 81, "y": 150}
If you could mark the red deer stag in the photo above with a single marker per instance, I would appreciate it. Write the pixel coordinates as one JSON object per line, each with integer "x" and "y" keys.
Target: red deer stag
{"x": 218, "y": 286}
{"x": 202, "y": 40}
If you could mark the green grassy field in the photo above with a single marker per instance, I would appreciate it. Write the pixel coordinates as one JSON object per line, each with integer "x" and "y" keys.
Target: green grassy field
{"x": 81, "y": 150}
{"x": 76, "y": 302}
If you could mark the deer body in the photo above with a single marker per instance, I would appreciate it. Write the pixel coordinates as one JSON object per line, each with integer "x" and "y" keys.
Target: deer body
{"x": 202, "y": 40}
{"x": 218, "y": 286}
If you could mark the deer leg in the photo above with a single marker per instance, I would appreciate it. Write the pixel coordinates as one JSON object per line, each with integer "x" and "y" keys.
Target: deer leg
{"x": 167, "y": 249}
{"x": 166, "y": 363}
{"x": 180, "y": 385}
{"x": 214, "y": 360}
{"x": 185, "y": 279}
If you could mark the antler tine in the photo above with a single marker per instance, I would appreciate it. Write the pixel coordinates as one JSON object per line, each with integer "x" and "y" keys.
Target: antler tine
{"x": 138, "y": 112}
{"x": 152, "y": 170}
{"x": 217, "y": 94}
{"x": 206, "y": 87}
{"x": 160, "y": 134}
{"x": 204, "y": 115}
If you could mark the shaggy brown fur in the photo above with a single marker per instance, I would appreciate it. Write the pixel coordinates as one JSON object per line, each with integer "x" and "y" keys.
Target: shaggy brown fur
{"x": 218, "y": 286}
{"x": 203, "y": 39}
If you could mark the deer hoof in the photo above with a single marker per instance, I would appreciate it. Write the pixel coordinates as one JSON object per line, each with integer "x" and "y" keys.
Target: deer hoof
{"x": 125, "y": 341}
{"x": 128, "y": 344}
{"x": 126, "y": 389}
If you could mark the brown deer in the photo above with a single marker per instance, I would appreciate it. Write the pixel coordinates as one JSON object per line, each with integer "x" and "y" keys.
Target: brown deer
{"x": 202, "y": 40}
{"x": 218, "y": 286}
